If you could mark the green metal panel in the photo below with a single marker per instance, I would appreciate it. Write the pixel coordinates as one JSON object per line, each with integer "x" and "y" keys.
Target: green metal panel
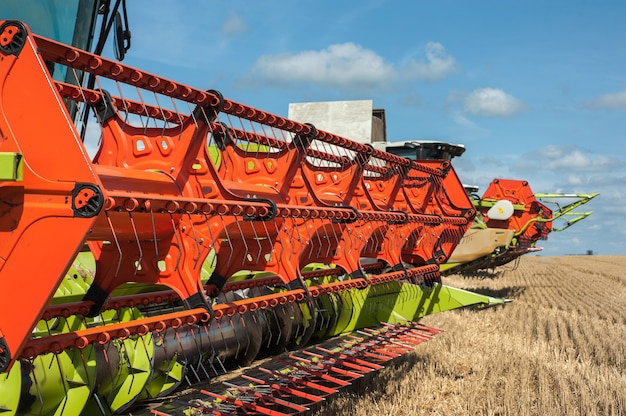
{"x": 11, "y": 167}
{"x": 396, "y": 302}
{"x": 488, "y": 203}
{"x": 440, "y": 298}
{"x": 10, "y": 390}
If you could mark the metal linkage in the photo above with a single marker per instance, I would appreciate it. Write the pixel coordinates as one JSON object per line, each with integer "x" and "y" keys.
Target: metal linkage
{"x": 564, "y": 206}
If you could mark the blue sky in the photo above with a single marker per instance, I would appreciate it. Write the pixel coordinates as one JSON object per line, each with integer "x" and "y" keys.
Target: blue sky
{"x": 535, "y": 90}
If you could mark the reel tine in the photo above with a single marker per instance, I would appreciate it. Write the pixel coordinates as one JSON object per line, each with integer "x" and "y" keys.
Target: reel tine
{"x": 258, "y": 243}
{"x": 320, "y": 244}
{"x": 140, "y": 260}
{"x": 195, "y": 335}
{"x": 35, "y": 382}
{"x": 196, "y": 240}
{"x": 243, "y": 240}
{"x": 225, "y": 345}
{"x": 278, "y": 325}
{"x": 56, "y": 360}
{"x": 110, "y": 374}
{"x": 280, "y": 241}
{"x": 228, "y": 239}
{"x": 337, "y": 238}
{"x": 238, "y": 350}
{"x": 188, "y": 358}
{"x": 117, "y": 245}
{"x": 205, "y": 330}
{"x": 247, "y": 334}
{"x": 178, "y": 242}
{"x": 154, "y": 233}
{"x": 219, "y": 361}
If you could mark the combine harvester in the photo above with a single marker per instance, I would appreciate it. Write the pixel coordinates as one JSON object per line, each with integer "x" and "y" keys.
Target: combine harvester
{"x": 203, "y": 235}
{"x": 510, "y": 218}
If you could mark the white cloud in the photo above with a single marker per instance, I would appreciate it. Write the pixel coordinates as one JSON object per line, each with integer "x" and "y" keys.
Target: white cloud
{"x": 337, "y": 65}
{"x": 564, "y": 158}
{"x": 568, "y": 169}
{"x": 609, "y": 101}
{"x": 352, "y": 65}
{"x": 438, "y": 64}
{"x": 462, "y": 121}
{"x": 464, "y": 129}
{"x": 492, "y": 102}
{"x": 574, "y": 179}
{"x": 234, "y": 25}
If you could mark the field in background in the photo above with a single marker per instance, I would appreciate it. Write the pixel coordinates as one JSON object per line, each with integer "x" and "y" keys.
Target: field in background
{"x": 558, "y": 349}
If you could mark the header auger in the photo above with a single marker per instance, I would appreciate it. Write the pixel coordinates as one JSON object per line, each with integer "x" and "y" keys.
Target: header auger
{"x": 202, "y": 234}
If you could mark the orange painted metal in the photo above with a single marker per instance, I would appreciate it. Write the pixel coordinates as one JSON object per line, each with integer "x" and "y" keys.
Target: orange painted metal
{"x": 183, "y": 177}
{"x": 524, "y": 220}
{"x": 43, "y": 223}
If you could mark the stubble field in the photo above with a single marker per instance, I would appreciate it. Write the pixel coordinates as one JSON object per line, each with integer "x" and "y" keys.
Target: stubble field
{"x": 558, "y": 349}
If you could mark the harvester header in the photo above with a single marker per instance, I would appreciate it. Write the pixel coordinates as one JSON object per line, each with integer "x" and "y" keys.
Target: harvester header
{"x": 204, "y": 232}
{"x": 511, "y": 219}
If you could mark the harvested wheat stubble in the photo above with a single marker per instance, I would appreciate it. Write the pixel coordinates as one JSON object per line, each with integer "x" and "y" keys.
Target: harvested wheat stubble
{"x": 558, "y": 349}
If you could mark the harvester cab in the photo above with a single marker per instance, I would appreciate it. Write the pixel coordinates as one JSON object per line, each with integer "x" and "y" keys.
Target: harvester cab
{"x": 86, "y": 25}
{"x": 422, "y": 149}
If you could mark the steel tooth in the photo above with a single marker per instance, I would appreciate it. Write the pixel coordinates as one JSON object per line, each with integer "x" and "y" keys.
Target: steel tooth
{"x": 281, "y": 385}
{"x": 326, "y": 366}
{"x": 345, "y": 355}
{"x": 244, "y": 404}
{"x": 208, "y": 352}
{"x": 265, "y": 397}
{"x": 301, "y": 382}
